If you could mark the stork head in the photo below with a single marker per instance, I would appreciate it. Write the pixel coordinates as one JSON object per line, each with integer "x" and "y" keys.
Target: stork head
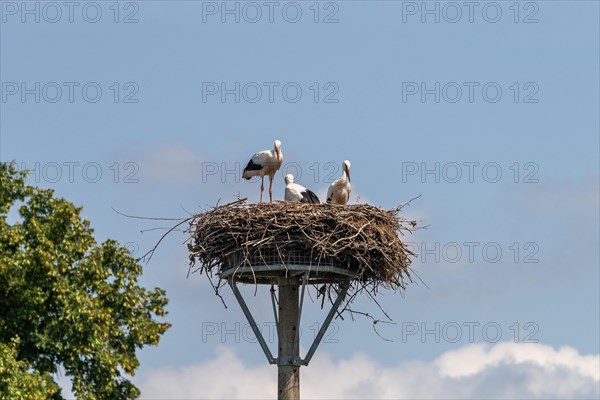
{"x": 346, "y": 168}
{"x": 289, "y": 178}
{"x": 278, "y": 150}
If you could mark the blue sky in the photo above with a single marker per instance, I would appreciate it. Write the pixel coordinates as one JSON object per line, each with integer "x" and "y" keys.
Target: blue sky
{"x": 517, "y": 97}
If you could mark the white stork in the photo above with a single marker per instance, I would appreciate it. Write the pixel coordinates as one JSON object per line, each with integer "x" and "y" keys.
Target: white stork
{"x": 265, "y": 162}
{"x": 296, "y": 192}
{"x": 339, "y": 191}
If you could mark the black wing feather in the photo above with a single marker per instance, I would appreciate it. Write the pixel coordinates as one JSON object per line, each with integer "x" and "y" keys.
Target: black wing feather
{"x": 309, "y": 197}
{"x": 252, "y": 167}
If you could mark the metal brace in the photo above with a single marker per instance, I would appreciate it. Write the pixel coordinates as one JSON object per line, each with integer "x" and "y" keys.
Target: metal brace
{"x": 296, "y": 361}
{"x": 274, "y": 308}
{"x": 344, "y": 286}
{"x": 253, "y": 325}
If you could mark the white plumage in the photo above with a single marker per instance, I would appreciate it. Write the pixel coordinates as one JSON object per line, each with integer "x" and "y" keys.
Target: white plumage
{"x": 296, "y": 192}
{"x": 265, "y": 162}
{"x": 339, "y": 191}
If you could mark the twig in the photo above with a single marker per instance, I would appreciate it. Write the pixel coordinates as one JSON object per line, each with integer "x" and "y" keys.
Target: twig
{"x": 375, "y": 322}
{"x": 149, "y": 218}
{"x": 150, "y": 253}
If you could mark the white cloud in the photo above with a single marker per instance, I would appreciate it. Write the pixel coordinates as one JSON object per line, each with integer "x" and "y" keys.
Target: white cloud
{"x": 471, "y": 360}
{"x": 225, "y": 376}
{"x": 503, "y": 370}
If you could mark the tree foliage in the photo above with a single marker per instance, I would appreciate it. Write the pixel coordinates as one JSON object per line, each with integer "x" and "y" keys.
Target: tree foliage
{"x": 18, "y": 382}
{"x": 67, "y": 301}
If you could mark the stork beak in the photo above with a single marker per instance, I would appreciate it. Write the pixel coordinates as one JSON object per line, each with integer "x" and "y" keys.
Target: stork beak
{"x": 349, "y": 180}
{"x": 278, "y": 155}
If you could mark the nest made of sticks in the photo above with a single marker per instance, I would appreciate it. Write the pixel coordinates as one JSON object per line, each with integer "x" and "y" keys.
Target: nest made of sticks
{"x": 360, "y": 238}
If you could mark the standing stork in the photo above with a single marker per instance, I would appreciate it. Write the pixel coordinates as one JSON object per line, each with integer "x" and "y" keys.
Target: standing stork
{"x": 296, "y": 192}
{"x": 339, "y": 191}
{"x": 265, "y": 162}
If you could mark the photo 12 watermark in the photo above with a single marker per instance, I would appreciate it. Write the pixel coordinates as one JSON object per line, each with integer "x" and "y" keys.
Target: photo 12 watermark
{"x": 223, "y": 332}
{"x": 231, "y": 172}
{"x": 70, "y": 12}
{"x": 470, "y": 172}
{"x": 132, "y": 247}
{"x": 80, "y": 171}
{"x": 469, "y": 92}
{"x": 468, "y": 332}
{"x": 454, "y": 12}
{"x": 253, "y": 12}
{"x": 270, "y": 92}
{"x": 69, "y": 92}
{"x": 475, "y": 252}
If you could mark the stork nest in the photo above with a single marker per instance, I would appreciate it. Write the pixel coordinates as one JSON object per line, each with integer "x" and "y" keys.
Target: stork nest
{"x": 362, "y": 239}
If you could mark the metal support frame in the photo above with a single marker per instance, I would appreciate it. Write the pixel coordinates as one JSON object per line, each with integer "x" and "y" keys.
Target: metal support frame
{"x": 294, "y": 361}
{"x": 344, "y": 289}
{"x": 252, "y": 323}
{"x": 274, "y": 307}
{"x": 304, "y": 282}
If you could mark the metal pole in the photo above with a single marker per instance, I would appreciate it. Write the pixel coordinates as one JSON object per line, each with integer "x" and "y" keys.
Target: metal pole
{"x": 287, "y": 372}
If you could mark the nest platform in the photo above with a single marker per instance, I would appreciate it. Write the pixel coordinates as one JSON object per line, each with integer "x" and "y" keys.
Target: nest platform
{"x": 259, "y": 243}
